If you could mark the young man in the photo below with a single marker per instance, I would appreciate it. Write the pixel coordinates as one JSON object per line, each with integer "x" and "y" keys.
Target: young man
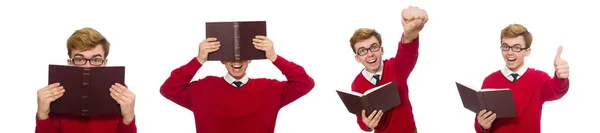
{"x": 366, "y": 43}
{"x": 236, "y": 103}
{"x": 530, "y": 87}
{"x": 86, "y": 48}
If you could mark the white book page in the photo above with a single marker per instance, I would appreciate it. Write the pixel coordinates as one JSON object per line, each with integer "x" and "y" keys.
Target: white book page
{"x": 469, "y": 86}
{"x": 350, "y": 92}
{"x": 376, "y": 88}
{"x": 493, "y": 89}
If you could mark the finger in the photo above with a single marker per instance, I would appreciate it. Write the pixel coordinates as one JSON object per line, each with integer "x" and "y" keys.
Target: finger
{"x": 363, "y": 114}
{"x": 124, "y": 98}
{"x": 60, "y": 91}
{"x": 257, "y": 40}
{"x": 372, "y": 115}
{"x": 559, "y": 52}
{"x": 54, "y": 91}
{"x": 115, "y": 89}
{"x": 378, "y": 117}
{"x": 116, "y": 98}
{"x": 261, "y": 37}
{"x": 53, "y": 85}
{"x": 123, "y": 88}
{"x": 53, "y": 98}
{"x": 562, "y": 67}
{"x": 481, "y": 113}
{"x": 210, "y": 39}
{"x": 491, "y": 118}
{"x": 486, "y": 115}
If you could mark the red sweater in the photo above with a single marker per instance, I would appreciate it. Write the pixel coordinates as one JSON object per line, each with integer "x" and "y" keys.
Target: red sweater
{"x": 219, "y": 107}
{"x": 57, "y": 123}
{"x": 529, "y": 93}
{"x": 399, "y": 119}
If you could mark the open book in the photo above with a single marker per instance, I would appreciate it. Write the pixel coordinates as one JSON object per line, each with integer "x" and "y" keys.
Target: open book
{"x": 499, "y": 101}
{"x": 383, "y": 97}
{"x": 236, "y": 39}
{"x": 86, "y": 89}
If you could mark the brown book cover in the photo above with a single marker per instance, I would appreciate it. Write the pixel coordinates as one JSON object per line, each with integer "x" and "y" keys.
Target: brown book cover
{"x": 86, "y": 89}
{"x": 499, "y": 101}
{"x": 236, "y": 39}
{"x": 383, "y": 97}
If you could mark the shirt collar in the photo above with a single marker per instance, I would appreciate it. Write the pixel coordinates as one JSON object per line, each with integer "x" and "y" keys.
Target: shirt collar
{"x": 369, "y": 76}
{"x": 230, "y": 79}
{"x": 506, "y": 72}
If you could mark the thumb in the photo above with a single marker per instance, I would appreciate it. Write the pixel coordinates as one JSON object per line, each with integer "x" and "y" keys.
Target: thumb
{"x": 559, "y": 52}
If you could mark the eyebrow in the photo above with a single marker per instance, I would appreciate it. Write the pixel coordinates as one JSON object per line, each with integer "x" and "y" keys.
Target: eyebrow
{"x": 97, "y": 55}
{"x": 513, "y": 45}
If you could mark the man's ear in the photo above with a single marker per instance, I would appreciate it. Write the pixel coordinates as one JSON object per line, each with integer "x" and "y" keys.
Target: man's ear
{"x": 356, "y": 57}
{"x": 223, "y": 62}
{"x": 69, "y": 62}
{"x": 249, "y": 61}
{"x": 527, "y": 51}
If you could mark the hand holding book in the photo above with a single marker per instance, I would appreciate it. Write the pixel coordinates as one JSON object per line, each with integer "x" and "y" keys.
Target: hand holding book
{"x": 209, "y": 45}
{"x": 486, "y": 118}
{"x": 373, "y": 120}
{"x": 126, "y": 100}
{"x": 47, "y": 95}
{"x": 265, "y": 44}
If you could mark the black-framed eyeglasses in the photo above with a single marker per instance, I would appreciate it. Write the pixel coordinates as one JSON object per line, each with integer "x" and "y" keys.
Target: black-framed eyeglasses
{"x": 364, "y": 51}
{"x": 83, "y": 61}
{"x": 516, "y": 48}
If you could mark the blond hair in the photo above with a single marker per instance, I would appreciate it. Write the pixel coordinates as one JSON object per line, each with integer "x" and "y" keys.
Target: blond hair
{"x": 363, "y": 34}
{"x": 85, "y": 39}
{"x": 516, "y": 30}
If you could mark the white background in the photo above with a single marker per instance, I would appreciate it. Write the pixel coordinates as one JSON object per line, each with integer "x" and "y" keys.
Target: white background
{"x": 459, "y": 43}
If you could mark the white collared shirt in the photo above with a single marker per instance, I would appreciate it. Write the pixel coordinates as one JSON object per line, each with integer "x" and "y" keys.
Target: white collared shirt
{"x": 506, "y": 72}
{"x": 230, "y": 79}
{"x": 369, "y": 76}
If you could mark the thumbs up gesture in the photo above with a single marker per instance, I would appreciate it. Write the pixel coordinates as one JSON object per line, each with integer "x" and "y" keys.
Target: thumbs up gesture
{"x": 561, "y": 66}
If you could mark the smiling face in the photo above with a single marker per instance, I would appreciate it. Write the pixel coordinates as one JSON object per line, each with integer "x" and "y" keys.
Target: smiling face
{"x": 514, "y": 60}
{"x": 237, "y": 69}
{"x": 369, "y": 53}
{"x": 366, "y": 44}
{"x": 516, "y": 45}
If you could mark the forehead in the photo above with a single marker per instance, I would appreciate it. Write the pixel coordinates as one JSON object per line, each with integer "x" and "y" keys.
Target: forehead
{"x": 514, "y": 41}
{"x": 366, "y": 43}
{"x": 94, "y": 52}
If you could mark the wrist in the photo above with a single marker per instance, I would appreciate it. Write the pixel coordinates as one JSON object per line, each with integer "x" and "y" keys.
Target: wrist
{"x": 201, "y": 59}
{"x": 42, "y": 116}
{"x": 127, "y": 119}
{"x": 272, "y": 57}
{"x": 408, "y": 37}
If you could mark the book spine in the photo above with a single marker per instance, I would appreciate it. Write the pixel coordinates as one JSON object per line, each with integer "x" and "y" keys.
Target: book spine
{"x": 85, "y": 89}
{"x": 481, "y": 100}
{"x": 236, "y": 40}
{"x": 367, "y": 106}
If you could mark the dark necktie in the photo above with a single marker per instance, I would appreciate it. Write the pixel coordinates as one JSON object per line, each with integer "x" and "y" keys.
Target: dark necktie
{"x": 376, "y": 79}
{"x": 237, "y": 83}
{"x": 514, "y": 75}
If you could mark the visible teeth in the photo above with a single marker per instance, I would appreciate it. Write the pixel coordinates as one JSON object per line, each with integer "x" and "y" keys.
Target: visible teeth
{"x": 512, "y": 59}
{"x": 371, "y": 61}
